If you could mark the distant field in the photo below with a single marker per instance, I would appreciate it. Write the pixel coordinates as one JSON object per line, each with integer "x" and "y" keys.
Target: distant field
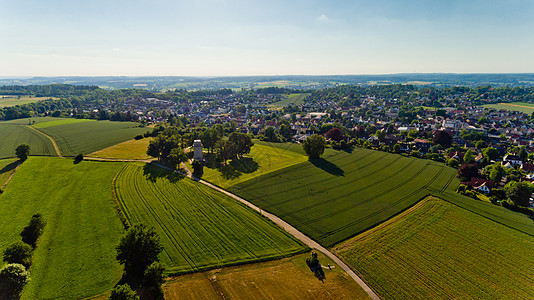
{"x": 261, "y": 160}
{"x": 291, "y": 99}
{"x": 346, "y": 193}
{"x": 524, "y": 107}
{"x": 60, "y": 121}
{"x": 85, "y": 137}
{"x": 199, "y": 227}
{"x": 9, "y": 100}
{"x": 132, "y": 149}
{"x": 13, "y": 134}
{"x": 288, "y": 278}
{"x": 437, "y": 250}
{"x": 7, "y": 167}
{"x": 75, "y": 257}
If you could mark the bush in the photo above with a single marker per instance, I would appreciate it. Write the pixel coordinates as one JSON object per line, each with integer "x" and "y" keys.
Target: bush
{"x": 13, "y": 278}
{"x": 22, "y": 151}
{"x": 198, "y": 169}
{"x": 31, "y": 233}
{"x": 138, "y": 137}
{"x": 78, "y": 158}
{"x": 123, "y": 292}
{"x": 18, "y": 253}
{"x": 153, "y": 279}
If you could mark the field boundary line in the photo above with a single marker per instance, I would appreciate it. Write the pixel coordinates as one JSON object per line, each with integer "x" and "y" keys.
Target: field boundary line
{"x": 11, "y": 175}
{"x": 289, "y": 229}
{"x": 54, "y": 143}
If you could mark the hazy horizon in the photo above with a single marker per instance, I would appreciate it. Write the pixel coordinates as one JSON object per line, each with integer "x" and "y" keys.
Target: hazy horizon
{"x": 216, "y": 38}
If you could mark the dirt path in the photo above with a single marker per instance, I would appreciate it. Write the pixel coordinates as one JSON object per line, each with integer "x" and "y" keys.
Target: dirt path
{"x": 56, "y": 147}
{"x": 290, "y": 229}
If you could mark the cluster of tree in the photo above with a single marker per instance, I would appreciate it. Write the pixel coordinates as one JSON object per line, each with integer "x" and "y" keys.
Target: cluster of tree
{"x": 18, "y": 257}
{"x": 22, "y": 151}
{"x": 138, "y": 251}
{"x": 314, "y": 146}
{"x": 315, "y": 266}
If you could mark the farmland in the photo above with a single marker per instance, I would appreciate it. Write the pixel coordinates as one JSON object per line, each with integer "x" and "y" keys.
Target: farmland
{"x": 8, "y": 100}
{"x": 199, "y": 228}
{"x": 523, "y": 107}
{"x": 288, "y": 278}
{"x": 295, "y": 99}
{"x": 87, "y": 136}
{"x": 439, "y": 250}
{"x": 261, "y": 160}
{"x": 13, "y": 134}
{"x": 132, "y": 149}
{"x": 7, "y": 167}
{"x": 75, "y": 257}
{"x": 343, "y": 193}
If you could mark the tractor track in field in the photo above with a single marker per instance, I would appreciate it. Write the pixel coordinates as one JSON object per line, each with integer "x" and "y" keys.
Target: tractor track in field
{"x": 54, "y": 143}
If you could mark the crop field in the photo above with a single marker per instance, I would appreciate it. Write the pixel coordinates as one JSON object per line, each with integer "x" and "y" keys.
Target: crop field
{"x": 75, "y": 257}
{"x": 261, "y": 160}
{"x": 524, "y": 107}
{"x": 9, "y": 100}
{"x": 199, "y": 227}
{"x": 89, "y": 136}
{"x": 59, "y": 121}
{"x": 132, "y": 149}
{"x": 7, "y": 167}
{"x": 295, "y": 99}
{"x": 437, "y": 250}
{"x": 344, "y": 193}
{"x": 13, "y": 134}
{"x": 288, "y": 278}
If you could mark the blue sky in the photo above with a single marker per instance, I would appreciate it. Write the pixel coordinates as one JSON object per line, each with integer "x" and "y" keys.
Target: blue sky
{"x": 237, "y": 37}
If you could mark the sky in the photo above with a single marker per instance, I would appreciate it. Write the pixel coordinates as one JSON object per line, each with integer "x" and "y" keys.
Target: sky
{"x": 275, "y": 37}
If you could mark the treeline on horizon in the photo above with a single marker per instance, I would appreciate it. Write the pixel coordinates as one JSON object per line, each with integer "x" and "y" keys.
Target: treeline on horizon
{"x": 75, "y": 97}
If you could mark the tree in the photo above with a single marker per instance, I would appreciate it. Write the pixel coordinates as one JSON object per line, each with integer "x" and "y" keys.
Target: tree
{"x": 314, "y": 146}
{"x": 18, "y": 253}
{"x": 285, "y": 131}
{"x": 491, "y": 153}
{"x": 480, "y": 144}
{"x": 467, "y": 171}
{"x": 443, "y": 138}
{"x": 22, "y": 151}
{"x": 453, "y": 162}
{"x": 13, "y": 277}
{"x": 176, "y": 157}
{"x": 226, "y": 150}
{"x": 396, "y": 148}
{"x": 198, "y": 169}
{"x": 495, "y": 172}
{"x": 153, "y": 279}
{"x": 31, "y": 233}
{"x": 241, "y": 143}
{"x": 270, "y": 134}
{"x": 138, "y": 248}
{"x": 78, "y": 158}
{"x": 469, "y": 157}
{"x": 522, "y": 153}
{"x": 335, "y": 134}
{"x": 123, "y": 292}
{"x": 519, "y": 192}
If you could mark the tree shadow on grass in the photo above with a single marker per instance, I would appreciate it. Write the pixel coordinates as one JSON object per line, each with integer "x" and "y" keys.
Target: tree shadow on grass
{"x": 10, "y": 167}
{"x": 152, "y": 173}
{"x": 327, "y": 166}
{"x": 238, "y": 167}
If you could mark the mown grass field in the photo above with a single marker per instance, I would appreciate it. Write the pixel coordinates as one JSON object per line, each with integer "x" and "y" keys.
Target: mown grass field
{"x": 132, "y": 149}
{"x": 75, "y": 257}
{"x": 344, "y": 193}
{"x": 13, "y": 134}
{"x": 523, "y": 107}
{"x": 295, "y": 99}
{"x": 261, "y": 160}
{"x": 437, "y": 250}
{"x": 89, "y": 136}
{"x": 288, "y": 278}
{"x": 9, "y": 100}
{"x": 59, "y": 121}
{"x": 7, "y": 167}
{"x": 200, "y": 228}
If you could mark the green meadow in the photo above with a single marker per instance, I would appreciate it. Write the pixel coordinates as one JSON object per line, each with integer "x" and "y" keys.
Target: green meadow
{"x": 437, "y": 250}
{"x": 295, "y": 99}
{"x": 200, "y": 228}
{"x": 524, "y": 107}
{"x": 13, "y": 134}
{"x": 75, "y": 256}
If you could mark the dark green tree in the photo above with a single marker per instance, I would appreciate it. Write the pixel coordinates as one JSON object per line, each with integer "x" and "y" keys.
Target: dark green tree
{"x": 123, "y": 292}
{"x": 241, "y": 143}
{"x": 443, "y": 138}
{"x": 138, "y": 248}
{"x": 18, "y": 253}
{"x": 198, "y": 169}
{"x": 31, "y": 233}
{"x": 314, "y": 146}
{"x": 519, "y": 192}
{"x": 22, "y": 151}
{"x": 153, "y": 279}
{"x": 13, "y": 278}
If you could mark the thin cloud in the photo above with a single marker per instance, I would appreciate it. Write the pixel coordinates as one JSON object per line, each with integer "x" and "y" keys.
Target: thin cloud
{"x": 322, "y": 19}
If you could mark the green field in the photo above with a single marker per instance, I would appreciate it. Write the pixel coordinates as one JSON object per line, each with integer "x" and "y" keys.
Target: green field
{"x": 13, "y": 134}
{"x": 261, "y": 160}
{"x": 296, "y": 99}
{"x": 87, "y": 136}
{"x": 524, "y": 107}
{"x": 75, "y": 257}
{"x": 437, "y": 250}
{"x": 346, "y": 193}
{"x": 8, "y": 100}
{"x": 199, "y": 227}
{"x": 59, "y": 121}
